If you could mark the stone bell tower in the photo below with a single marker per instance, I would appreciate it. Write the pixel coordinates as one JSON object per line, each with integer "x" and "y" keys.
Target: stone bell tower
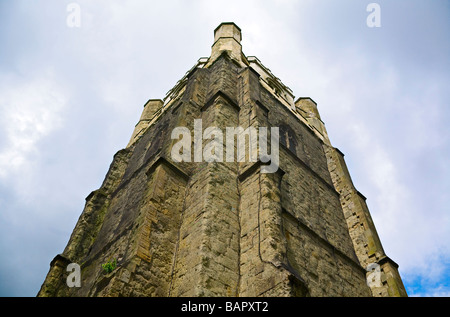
{"x": 226, "y": 227}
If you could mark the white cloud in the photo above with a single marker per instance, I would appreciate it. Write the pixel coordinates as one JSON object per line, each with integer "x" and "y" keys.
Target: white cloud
{"x": 31, "y": 110}
{"x": 440, "y": 291}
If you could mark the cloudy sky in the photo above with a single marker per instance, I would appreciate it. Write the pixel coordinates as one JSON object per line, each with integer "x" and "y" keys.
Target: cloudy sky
{"x": 70, "y": 97}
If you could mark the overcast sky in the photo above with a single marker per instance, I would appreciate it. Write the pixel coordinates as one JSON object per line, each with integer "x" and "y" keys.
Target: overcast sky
{"x": 70, "y": 97}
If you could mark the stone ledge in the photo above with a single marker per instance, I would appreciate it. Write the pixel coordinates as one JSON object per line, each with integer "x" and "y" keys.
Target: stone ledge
{"x": 324, "y": 241}
{"x": 253, "y": 168}
{"x": 60, "y": 258}
{"x": 218, "y": 94}
{"x": 331, "y": 187}
{"x": 162, "y": 160}
{"x": 387, "y": 259}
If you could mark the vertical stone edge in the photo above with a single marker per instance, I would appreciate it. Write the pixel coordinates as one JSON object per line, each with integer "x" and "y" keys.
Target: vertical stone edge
{"x": 363, "y": 233}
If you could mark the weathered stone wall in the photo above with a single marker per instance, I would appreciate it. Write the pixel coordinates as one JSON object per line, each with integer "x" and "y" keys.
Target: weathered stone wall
{"x": 224, "y": 228}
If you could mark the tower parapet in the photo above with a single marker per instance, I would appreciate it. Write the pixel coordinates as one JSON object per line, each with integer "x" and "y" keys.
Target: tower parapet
{"x": 227, "y": 39}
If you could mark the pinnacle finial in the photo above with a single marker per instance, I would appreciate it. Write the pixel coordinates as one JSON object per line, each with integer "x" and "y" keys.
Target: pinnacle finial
{"x": 228, "y": 30}
{"x": 227, "y": 38}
